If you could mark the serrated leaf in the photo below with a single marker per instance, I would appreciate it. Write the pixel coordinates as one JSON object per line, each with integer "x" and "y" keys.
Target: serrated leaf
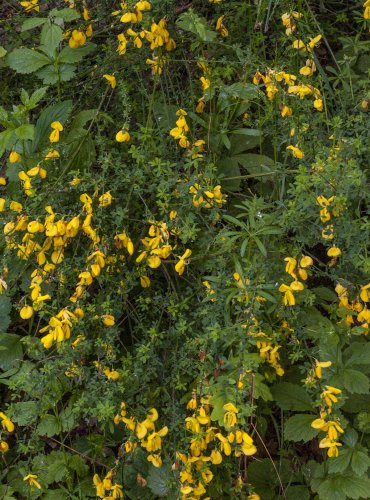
{"x": 49, "y": 426}
{"x": 355, "y": 487}
{"x": 25, "y": 132}
{"x": 358, "y": 353}
{"x": 38, "y": 95}
{"x": 5, "y": 137}
{"x": 339, "y": 464}
{"x": 350, "y": 438}
{"x": 330, "y": 489}
{"x": 26, "y": 61}
{"x": 355, "y": 381}
{"x": 65, "y": 14}
{"x": 57, "y": 112}
{"x": 25, "y": 413}
{"x": 81, "y": 118}
{"x": 159, "y": 480}
{"x": 294, "y": 492}
{"x": 70, "y": 56}
{"x": 360, "y": 462}
{"x": 11, "y": 351}
{"x": 51, "y": 36}
{"x": 191, "y": 22}
{"x": 298, "y": 428}
{"x": 291, "y": 397}
{"x": 32, "y": 23}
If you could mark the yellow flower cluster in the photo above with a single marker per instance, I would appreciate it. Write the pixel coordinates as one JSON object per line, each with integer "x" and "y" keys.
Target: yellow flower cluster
{"x": 269, "y": 353}
{"x": 78, "y": 37}
{"x": 31, "y": 480}
{"x": 328, "y": 230}
{"x": 367, "y": 9}
{"x": 359, "y": 306}
{"x": 158, "y": 37}
{"x": 195, "y": 472}
{"x": 102, "y": 486}
{"x": 289, "y": 21}
{"x": 110, "y": 374}
{"x": 221, "y": 28}
{"x": 30, "y": 5}
{"x": 143, "y": 433}
{"x": 207, "y": 199}
{"x": 182, "y": 128}
{"x": 296, "y": 271}
{"x": 157, "y": 248}
{"x": 331, "y": 427}
{"x": 8, "y": 426}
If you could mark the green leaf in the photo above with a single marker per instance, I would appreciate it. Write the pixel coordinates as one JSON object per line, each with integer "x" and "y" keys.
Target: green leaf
{"x": 81, "y": 118}
{"x": 32, "y": 23}
{"x": 65, "y": 14}
{"x": 355, "y": 381}
{"x": 160, "y": 481}
{"x": 191, "y": 22}
{"x": 360, "y": 462}
{"x": 26, "y": 60}
{"x": 5, "y": 308}
{"x": 255, "y": 164}
{"x": 228, "y": 167}
{"x": 354, "y": 487}
{"x": 37, "y": 96}
{"x": 298, "y": 428}
{"x": 330, "y": 489}
{"x": 57, "y": 112}
{"x": 51, "y": 74}
{"x": 49, "y": 426}
{"x": 25, "y": 413}
{"x": 294, "y": 492}
{"x": 3, "y": 51}
{"x": 25, "y": 132}
{"x": 358, "y": 353}
{"x": 5, "y": 137}
{"x": 291, "y": 397}
{"x": 70, "y": 56}
{"x": 11, "y": 351}
{"x": 262, "y": 476}
{"x": 339, "y": 464}
{"x": 350, "y": 438}
{"x": 51, "y": 36}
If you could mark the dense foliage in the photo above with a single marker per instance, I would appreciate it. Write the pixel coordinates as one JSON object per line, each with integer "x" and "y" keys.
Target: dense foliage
{"x": 184, "y": 280}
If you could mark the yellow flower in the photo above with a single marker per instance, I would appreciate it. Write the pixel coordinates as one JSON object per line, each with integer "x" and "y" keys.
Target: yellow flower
{"x": 334, "y": 252}
{"x": 52, "y": 153}
{"x": 306, "y": 261}
{"x": 201, "y": 105}
{"x": 6, "y": 422}
{"x": 31, "y": 479}
{"x": 26, "y": 312}
{"x": 14, "y": 157}
{"x": 365, "y": 293}
{"x": 155, "y": 460}
{"x": 2, "y": 181}
{"x": 105, "y": 199}
{"x": 288, "y": 299}
{"x": 180, "y": 266}
{"x": 318, "y": 104}
{"x": 291, "y": 264}
{"x": 117, "y": 491}
{"x": 78, "y": 38}
{"x": 108, "y": 320}
{"x": 145, "y": 281}
{"x": 206, "y": 83}
{"x": 30, "y": 5}
{"x": 123, "y": 136}
{"x": 296, "y": 152}
{"x": 286, "y": 111}
{"x": 319, "y": 365}
{"x": 221, "y": 28}
{"x": 111, "y": 80}
{"x": 4, "y": 447}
